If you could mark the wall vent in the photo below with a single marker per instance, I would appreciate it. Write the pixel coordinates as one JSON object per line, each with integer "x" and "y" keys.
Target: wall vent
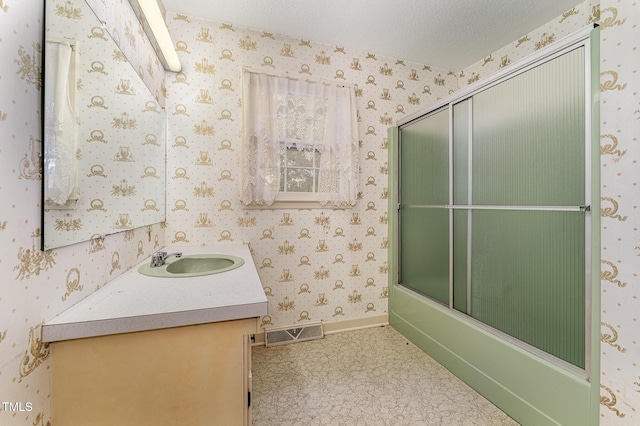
{"x": 293, "y": 333}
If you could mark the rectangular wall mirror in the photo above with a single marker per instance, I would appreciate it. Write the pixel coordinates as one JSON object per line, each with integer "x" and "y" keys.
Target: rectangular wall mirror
{"x": 104, "y": 133}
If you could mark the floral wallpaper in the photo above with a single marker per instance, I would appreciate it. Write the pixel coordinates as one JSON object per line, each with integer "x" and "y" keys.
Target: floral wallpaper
{"x": 123, "y": 25}
{"x": 38, "y": 285}
{"x": 564, "y": 25}
{"x": 291, "y": 247}
{"x": 620, "y": 201}
{"x": 314, "y": 264}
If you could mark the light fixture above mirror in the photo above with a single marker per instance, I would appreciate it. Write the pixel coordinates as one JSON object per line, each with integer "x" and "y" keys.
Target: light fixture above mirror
{"x": 151, "y": 14}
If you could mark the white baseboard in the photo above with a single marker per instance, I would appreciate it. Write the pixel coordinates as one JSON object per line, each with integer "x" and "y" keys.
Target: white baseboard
{"x": 333, "y": 327}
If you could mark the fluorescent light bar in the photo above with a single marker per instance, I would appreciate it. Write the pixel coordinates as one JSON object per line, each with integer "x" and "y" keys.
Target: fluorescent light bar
{"x": 152, "y": 20}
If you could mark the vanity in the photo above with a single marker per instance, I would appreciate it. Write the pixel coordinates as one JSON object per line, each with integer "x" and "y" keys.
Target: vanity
{"x": 147, "y": 350}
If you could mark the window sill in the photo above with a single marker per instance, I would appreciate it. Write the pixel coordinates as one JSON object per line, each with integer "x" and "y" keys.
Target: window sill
{"x": 298, "y": 200}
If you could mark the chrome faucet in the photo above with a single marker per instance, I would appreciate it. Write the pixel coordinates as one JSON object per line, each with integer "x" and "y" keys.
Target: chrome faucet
{"x": 159, "y": 258}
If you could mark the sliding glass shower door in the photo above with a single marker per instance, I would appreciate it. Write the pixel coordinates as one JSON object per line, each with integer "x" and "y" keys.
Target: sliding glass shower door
{"x": 424, "y": 232}
{"x": 493, "y": 207}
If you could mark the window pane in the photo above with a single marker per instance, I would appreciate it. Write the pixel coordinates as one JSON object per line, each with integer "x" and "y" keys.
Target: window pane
{"x": 299, "y": 170}
{"x": 303, "y": 158}
{"x": 299, "y": 180}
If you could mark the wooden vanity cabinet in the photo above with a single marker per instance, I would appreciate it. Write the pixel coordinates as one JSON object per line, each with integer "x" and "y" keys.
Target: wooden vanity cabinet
{"x": 191, "y": 375}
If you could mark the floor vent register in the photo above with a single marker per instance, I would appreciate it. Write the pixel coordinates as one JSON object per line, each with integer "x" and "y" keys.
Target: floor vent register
{"x": 289, "y": 334}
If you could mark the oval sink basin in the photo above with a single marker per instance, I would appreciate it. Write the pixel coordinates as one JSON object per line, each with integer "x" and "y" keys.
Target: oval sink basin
{"x": 192, "y": 265}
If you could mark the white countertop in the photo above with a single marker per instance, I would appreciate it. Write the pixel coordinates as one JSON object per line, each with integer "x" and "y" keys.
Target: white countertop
{"x": 135, "y": 302}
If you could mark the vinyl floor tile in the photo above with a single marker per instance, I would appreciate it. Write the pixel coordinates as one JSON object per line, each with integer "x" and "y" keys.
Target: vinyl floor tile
{"x": 366, "y": 377}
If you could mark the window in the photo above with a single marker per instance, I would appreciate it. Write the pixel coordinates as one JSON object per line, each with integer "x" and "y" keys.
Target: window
{"x": 299, "y": 142}
{"x": 299, "y": 170}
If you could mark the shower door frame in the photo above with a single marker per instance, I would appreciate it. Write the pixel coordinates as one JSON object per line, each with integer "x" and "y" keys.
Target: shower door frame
{"x": 421, "y": 319}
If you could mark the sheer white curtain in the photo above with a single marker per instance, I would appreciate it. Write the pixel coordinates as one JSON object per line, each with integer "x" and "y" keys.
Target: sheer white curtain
{"x": 281, "y": 113}
{"x": 61, "y": 167}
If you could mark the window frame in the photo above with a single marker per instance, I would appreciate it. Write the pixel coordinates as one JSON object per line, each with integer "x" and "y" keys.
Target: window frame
{"x": 302, "y": 200}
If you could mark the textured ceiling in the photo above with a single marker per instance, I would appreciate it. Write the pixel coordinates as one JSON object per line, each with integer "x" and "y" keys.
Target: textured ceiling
{"x": 448, "y": 34}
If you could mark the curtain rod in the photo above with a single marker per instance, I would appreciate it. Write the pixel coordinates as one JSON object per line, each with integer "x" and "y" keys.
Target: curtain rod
{"x": 62, "y": 40}
{"x": 289, "y": 76}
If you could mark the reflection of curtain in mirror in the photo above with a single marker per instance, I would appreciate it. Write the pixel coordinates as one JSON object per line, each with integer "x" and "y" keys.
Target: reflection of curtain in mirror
{"x": 60, "y": 164}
